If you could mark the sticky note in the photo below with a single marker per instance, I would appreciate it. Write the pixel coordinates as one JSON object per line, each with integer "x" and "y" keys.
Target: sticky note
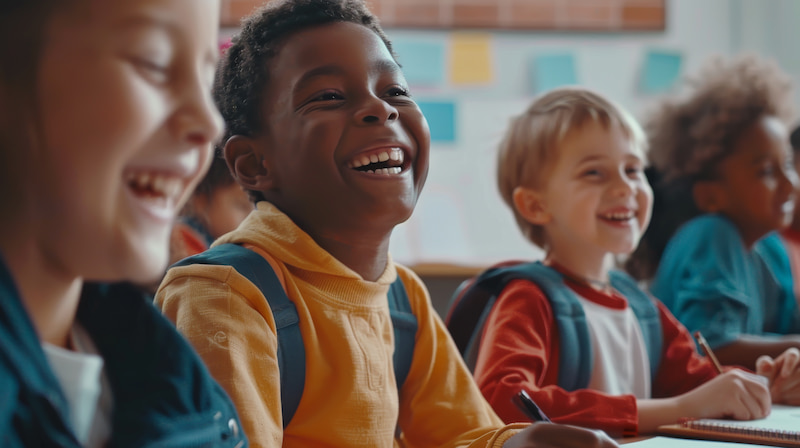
{"x": 471, "y": 58}
{"x": 441, "y": 116}
{"x": 549, "y": 71}
{"x": 661, "y": 70}
{"x": 423, "y": 62}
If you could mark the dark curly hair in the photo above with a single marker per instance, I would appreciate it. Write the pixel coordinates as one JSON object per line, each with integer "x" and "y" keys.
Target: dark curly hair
{"x": 690, "y": 135}
{"x": 243, "y": 74}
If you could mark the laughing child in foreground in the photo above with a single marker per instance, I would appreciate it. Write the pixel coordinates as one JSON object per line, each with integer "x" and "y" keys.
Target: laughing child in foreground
{"x": 587, "y": 344}
{"x": 324, "y": 135}
{"x": 723, "y": 152}
{"x": 106, "y": 125}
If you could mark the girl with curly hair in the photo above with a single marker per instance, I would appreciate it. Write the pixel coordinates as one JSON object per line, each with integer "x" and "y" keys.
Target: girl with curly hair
{"x": 724, "y": 178}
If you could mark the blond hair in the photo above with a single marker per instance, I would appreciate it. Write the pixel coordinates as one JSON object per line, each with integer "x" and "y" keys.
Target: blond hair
{"x": 533, "y": 138}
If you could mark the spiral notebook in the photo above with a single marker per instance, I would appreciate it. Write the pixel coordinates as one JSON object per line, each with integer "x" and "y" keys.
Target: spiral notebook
{"x": 780, "y": 428}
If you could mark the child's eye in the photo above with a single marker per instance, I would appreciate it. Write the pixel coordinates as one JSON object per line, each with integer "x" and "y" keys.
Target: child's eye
{"x": 591, "y": 173}
{"x": 398, "y": 91}
{"x": 634, "y": 172}
{"x": 154, "y": 71}
{"x": 766, "y": 170}
{"x": 328, "y": 96}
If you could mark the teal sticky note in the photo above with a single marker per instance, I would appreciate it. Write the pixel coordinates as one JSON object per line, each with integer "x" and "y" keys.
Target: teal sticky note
{"x": 549, "y": 71}
{"x": 661, "y": 70}
{"x": 441, "y": 116}
{"x": 423, "y": 62}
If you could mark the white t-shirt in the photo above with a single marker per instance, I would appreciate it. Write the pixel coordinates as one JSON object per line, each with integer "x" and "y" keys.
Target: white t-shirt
{"x": 621, "y": 363}
{"x": 80, "y": 374}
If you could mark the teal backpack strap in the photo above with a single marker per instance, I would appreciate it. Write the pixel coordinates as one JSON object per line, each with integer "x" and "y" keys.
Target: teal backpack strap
{"x": 405, "y": 331}
{"x": 646, "y": 313}
{"x": 576, "y": 357}
{"x": 291, "y": 351}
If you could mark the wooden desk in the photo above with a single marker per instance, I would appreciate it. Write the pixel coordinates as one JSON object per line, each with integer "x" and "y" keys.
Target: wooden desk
{"x": 442, "y": 279}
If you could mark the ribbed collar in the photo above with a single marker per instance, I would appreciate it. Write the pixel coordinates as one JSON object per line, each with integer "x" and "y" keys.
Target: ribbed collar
{"x": 271, "y": 230}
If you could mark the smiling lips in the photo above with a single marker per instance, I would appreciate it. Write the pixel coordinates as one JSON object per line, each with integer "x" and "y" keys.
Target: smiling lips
{"x": 379, "y": 161}
{"x": 155, "y": 185}
{"x": 619, "y": 215}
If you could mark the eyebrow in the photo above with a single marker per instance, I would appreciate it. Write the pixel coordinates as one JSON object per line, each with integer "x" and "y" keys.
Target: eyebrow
{"x": 380, "y": 66}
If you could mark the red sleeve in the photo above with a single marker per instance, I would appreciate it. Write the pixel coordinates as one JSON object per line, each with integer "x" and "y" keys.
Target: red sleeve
{"x": 682, "y": 368}
{"x": 519, "y": 350}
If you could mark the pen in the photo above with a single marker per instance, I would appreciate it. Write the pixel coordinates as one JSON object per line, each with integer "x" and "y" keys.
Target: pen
{"x": 525, "y": 403}
{"x": 707, "y": 349}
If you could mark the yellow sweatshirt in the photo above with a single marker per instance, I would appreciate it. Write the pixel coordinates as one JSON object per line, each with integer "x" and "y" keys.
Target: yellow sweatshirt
{"x": 350, "y": 397}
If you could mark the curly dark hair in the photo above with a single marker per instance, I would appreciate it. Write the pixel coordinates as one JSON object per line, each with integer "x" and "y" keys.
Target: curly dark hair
{"x": 690, "y": 135}
{"x": 243, "y": 74}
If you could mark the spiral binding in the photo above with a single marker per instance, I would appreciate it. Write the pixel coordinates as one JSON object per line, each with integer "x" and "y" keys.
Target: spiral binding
{"x": 732, "y": 428}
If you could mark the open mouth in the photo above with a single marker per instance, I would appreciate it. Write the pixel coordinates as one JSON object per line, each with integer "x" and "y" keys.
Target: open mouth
{"x": 154, "y": 186}
{"x": 619, "y": 216}
{"x": 381, "y": 161}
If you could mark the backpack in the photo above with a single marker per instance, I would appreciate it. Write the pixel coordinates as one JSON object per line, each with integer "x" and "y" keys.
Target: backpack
{"x": 291, "y": 351}
{"x": 474, "y": 299}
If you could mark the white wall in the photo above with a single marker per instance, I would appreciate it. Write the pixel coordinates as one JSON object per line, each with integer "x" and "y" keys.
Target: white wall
{"x": 462, "y": 179}
{"x": 770, "y": 28}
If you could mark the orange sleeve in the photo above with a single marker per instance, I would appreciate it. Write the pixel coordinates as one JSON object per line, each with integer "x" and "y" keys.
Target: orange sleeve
{"x": 519, "y": 350}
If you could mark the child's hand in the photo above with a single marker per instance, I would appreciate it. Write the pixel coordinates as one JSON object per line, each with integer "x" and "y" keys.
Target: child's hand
{"x": 550, "y": 435}
{"x": 737, "y": 394}
{"x": 783, "y": 375}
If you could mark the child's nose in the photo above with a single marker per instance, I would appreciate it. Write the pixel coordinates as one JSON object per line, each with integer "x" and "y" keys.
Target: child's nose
{"x": 623, "y": 186}
{"x": 197, "y": 120}
{"x": 376, "y": 110}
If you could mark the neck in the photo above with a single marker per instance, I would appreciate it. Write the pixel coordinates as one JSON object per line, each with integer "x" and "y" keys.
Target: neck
{"x": 367, "y": 257}
{"x": 49, "y": 294}
{"x": 587, "y": 266}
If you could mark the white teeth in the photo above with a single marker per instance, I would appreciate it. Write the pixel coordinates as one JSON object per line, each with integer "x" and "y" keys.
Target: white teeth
{"x": 393, "y": 154}
{"x": 161, "y": 185}
{"x": 621, "y": 216}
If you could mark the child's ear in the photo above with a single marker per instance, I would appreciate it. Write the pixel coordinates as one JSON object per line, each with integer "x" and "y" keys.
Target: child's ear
{"x": 247, "y": 163}
{"x": 709, "y": 196}
{"x": 530, "y": 205}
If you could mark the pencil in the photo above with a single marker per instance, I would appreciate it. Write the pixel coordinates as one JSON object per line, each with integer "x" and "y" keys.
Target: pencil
{"x": 707, "y": 349}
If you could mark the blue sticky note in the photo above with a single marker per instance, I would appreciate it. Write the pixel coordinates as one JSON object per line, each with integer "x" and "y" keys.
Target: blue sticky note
{"x": 423, "y": 62}
{"x": 549, "y": 71}
{"x": 441, "y": 116}
{"x": 661, "y": 71}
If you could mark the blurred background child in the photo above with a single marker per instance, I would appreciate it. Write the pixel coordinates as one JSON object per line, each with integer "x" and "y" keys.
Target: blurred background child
{"x": 726, "y": 177}
{"x": 779, "y": 254}
{"x": 216, "y": 207}
{"x": 106, "y": 122}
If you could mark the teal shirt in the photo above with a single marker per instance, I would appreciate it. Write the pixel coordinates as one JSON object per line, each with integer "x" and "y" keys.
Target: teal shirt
{"x": 710, "y": 281}
{"x": 780, "y": 303}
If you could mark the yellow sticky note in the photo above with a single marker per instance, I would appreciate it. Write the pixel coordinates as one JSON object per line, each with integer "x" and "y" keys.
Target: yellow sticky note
{"x": 471, "y": 58}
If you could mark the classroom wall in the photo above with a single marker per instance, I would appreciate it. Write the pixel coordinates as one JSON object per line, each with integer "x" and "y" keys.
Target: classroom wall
{"x": 460, "y": 217}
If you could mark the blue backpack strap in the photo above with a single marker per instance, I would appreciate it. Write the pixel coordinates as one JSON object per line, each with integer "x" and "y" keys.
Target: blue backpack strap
{"x": 291, "y": 350}
{"x": 646, "y": 313}
{"x": 405, "y": 326}
{"x": 576, "y": 357}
